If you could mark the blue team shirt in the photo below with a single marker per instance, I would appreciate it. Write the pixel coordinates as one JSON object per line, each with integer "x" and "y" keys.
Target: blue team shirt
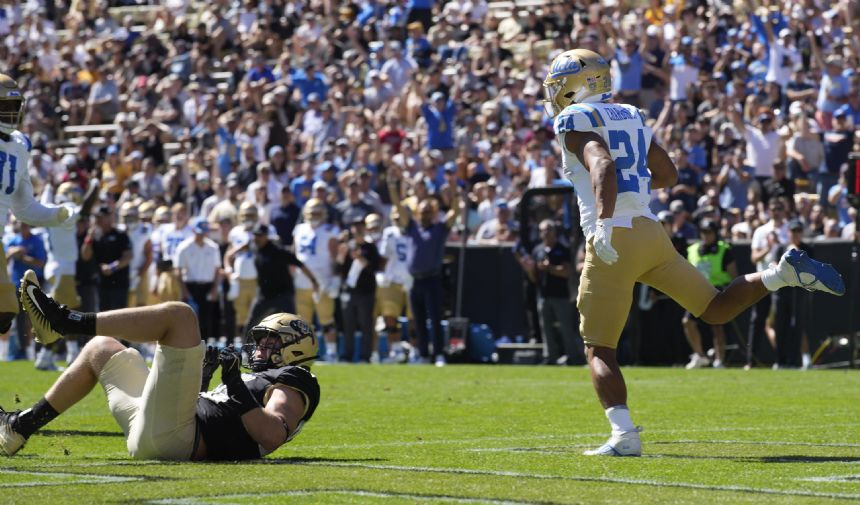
{"x": 429, "y": 247}
{"x": 440, "y": 126}
{"x": 35, "y": 248}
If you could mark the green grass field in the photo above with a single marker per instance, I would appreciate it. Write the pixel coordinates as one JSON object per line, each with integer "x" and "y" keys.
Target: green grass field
{"x": 481, "y": 434}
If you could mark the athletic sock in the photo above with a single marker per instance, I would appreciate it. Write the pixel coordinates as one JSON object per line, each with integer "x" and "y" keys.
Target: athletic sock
{"x": 771, "y": 279}
{"x": 80, "y": 323}
{"x": 619, "y": 419}
{"x": 806, "y": 360}
{"x": 30, "y": 420}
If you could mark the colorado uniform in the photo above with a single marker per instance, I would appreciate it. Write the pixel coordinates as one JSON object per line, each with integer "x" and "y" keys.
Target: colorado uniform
{"x": 16, "y": 194}
{"x": 312, "y": 249}
{"x": 645, "y": 253}
{"x": 394, "y": 282}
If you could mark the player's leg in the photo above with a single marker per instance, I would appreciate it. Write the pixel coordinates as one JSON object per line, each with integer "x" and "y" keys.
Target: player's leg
{"x": 173, "y": 323}
{"x": 719, "y": 334}
{"x": 71, "y": 387}
{"x": 325, "y": 315}
{"x": 795, "y": 268}
{"x": 694, "y": 337}
{"x": 604, "y": 299}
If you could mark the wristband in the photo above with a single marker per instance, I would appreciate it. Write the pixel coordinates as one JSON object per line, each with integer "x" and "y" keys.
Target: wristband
{"x": 239, "y": 393}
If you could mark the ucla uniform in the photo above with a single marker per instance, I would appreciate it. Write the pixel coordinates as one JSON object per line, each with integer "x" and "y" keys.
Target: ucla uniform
{"x": 16, "y": 194}
{"x": 139, "y": 234}
{"x": 312, "y": 249}
{"x": 395, "y": 281}
{"x": 645, "y": 253}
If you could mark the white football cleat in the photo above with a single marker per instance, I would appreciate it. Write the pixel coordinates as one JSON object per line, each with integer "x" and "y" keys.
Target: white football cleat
{"x": 698, "y": 361}
{"x": 10, "y": 440}
{"x": 797, "y": 269}
{"x": 620, "y": 444}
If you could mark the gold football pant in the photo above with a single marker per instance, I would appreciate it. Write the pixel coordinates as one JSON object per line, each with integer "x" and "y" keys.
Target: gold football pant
{"x": 646, "y": 255}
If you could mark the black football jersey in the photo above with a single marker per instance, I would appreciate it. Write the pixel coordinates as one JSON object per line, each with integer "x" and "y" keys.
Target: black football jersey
{"x": 221, "y": 425}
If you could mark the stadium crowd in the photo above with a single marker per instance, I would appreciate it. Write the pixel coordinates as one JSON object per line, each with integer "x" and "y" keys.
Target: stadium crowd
{"x": 217, "y": 131}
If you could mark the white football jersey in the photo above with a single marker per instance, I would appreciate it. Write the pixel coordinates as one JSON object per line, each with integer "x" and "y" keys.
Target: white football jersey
{"x": 312, "y": 249}
{"x": 171, "y": 238}
{"x": 62, "y": 245}
{"x": 16, "y": 190}
{"x": 138, "y": 234}
{"x": 628, "y": 138}
{"x": 398, "y": 250}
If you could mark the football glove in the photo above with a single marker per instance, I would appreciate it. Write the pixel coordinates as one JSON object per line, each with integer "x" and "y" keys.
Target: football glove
{"x": 67, "y": 216}
{"x": 231, "y": 376}
{"x": 603, "y": 242}
{"x": 210, "y": 363}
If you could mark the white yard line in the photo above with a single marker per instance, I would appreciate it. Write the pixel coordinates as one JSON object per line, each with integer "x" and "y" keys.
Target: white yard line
{"x": 205, "y": 500}
{"x": 77, "y": 478}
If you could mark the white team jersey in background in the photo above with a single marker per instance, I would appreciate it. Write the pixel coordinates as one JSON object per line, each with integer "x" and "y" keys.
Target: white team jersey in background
{"x": 171, "y": 238}
{"x": 16, "y": 190}
{"x": 397, "y": 249}
{"x": 243, "y": 262}
{"x": 312, "y": 249}
{"x": 628, "y": 138}
{"x": 62, "y": 245}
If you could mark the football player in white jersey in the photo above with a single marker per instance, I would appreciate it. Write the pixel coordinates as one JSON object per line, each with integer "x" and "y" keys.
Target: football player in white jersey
{"x": 16, "y": 189}
{"x": 614, "y": 165}
{"x": 394, "y": 281}
{"x": 139, "y": 233}
{"x": 62, "y": 246}
{"x": 316, "y": 244}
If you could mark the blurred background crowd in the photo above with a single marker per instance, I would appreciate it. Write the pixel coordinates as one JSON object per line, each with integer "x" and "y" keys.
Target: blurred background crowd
{"x": 210, "y": 119}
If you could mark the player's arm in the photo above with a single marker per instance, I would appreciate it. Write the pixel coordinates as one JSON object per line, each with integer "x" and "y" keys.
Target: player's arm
{"x": 664, "y": 174}
{"x": 394, "y": 195}
{"x": 91, "y": 197}
{"x": 593, "y": 153}
{"x": 272, "y": 425}
{"x": 26, "y": 208}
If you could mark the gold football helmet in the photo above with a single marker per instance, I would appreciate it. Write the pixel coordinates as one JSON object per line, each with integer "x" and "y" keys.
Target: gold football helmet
{"x": 576, "y": 76}
{"x": 248, "y": 213}
{"x": 11, "y": 104}
{"x": 69, "y": 192}
{"x": 296, "y": 342}
{"x": 146, "y": 210}
{"x": 162, "y": 215}
{"x": 314, "y": 212}
{"x": 128, "y": 213}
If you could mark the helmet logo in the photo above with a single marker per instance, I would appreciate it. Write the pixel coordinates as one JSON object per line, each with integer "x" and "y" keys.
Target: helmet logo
{"x": 301, "y": 327}
{"x": 565, "y": 66}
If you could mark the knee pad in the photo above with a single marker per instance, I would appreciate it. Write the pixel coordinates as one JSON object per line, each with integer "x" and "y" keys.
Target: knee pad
{"x": 6, "y": 319}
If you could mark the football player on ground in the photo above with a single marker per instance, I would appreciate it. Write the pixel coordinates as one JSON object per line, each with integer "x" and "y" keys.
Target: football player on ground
{"x": 316, "y": 244}
{"x": 614, "y": 165}
{"x": 162, "y": 412}
{"x": 16, "y": 190}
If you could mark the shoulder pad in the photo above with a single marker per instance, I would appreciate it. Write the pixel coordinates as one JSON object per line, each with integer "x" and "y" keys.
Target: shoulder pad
{"x": 23, "y": 139}
{"x": 578, "y": 117}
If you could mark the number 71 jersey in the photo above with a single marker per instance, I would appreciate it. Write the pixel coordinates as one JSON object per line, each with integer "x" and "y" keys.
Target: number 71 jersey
{"x": 623, "y": 129}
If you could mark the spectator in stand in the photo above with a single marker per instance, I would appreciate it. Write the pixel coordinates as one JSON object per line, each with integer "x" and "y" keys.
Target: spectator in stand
{"x": 832, "y": 89}
{"x": 837, "y": 145}
{"x": 763, "y": 143}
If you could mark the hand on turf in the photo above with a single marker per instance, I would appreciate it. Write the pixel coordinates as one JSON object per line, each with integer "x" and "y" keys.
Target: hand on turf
{"x": 230, "y": 363}
{"x": 603, "y": 242}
